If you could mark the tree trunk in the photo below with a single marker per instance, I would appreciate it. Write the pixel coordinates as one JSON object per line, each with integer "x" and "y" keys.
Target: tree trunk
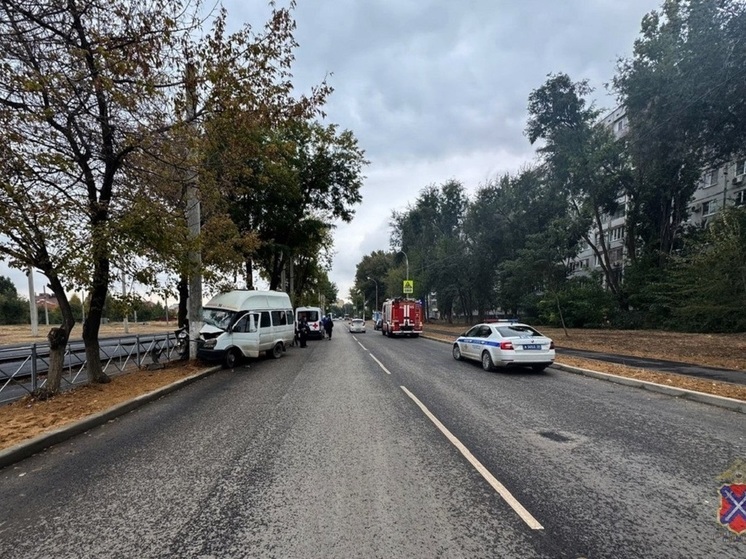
{"x": 278, "y": 265}
{"x": 249, "y": 273}
{"x": 58, "y": 338}
{"x": 92, "y": 324}
{"x": 183, "y": 288}
{"x": 561, "y": 316}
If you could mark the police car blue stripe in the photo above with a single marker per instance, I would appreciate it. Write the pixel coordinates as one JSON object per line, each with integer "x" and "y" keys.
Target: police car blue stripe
{"x": 480, "y": 341}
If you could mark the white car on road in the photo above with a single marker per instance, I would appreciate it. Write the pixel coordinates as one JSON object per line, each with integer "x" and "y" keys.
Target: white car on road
{"x": 505, "y": 344}
{"x": 357, "y": 325}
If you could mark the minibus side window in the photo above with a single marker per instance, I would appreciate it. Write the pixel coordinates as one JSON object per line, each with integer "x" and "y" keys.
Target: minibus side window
{"x": 265, "y": 320}
{"x": 278, "y": 318}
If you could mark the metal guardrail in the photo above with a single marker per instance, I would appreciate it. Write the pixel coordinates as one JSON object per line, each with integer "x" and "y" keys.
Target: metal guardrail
{"x": 23, "y": 368}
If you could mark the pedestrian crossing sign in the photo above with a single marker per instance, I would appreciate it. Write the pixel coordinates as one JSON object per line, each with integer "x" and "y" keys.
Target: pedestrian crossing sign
{"x": 408, "y": 286}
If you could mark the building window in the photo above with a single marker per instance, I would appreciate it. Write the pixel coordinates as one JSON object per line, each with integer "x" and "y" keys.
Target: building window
{"x": 710, "y": 207}
{"x": 741, "y": 167}
{"x": 740, "y": 198}
{"x": 711, "y": 178}
{"x": 616, "y": 234}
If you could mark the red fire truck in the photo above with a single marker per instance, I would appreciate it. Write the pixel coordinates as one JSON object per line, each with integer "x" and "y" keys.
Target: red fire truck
{"x": 402, "y": 317}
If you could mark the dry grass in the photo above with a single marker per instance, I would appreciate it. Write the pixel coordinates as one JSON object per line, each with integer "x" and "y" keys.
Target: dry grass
{"x": 22, "y": 334}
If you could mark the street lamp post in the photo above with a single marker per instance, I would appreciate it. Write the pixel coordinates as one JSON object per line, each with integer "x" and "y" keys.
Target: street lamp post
{"x": 406, "y": 258}
{"x": 374, "y": 281}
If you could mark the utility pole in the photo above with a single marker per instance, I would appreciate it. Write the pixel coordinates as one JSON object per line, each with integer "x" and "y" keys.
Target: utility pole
{"x": 124, "y": 297}
{"x": 292, "y": 281}
{"x": 194, "y": 310}
{"x": 406, "y": 258}
{"x": 725, "y": 186}
{"x": 46, "y": 309}
{"x": 374, "y": 281}
{"x": 32, "y": 303}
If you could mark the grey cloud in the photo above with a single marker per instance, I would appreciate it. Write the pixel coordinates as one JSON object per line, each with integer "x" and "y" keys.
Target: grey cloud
{"x": 434, "y": 88}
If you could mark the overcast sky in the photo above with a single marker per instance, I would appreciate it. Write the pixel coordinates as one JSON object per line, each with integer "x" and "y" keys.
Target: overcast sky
{"x": 437, "y": 89}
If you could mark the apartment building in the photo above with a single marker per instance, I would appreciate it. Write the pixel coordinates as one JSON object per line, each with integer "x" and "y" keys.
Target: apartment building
{"x": 720, "y": 187}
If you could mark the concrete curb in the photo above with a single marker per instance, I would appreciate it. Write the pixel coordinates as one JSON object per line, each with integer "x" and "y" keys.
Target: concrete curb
{"x": 701, "y": 397}
{"x": 37, "y": 444}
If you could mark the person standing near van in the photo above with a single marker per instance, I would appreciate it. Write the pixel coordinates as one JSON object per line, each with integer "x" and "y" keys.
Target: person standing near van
{"x": 322, "y": 327}
{"x": 328, "y": 326}
{"x": 303, "y": 330}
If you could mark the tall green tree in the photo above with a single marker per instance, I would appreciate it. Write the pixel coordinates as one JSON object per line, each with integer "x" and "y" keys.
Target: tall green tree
{"x": 294, "y": 182}
{"x": 80, "y": 91}
{"x": 586, "y": 168}
{"x": 371, "y": 276}
{"x": 87, "y": 97}
{"x": 429, "y": 233}
{"x": 504, "y": 214}
{"x": 706, "y": 287}
{"x": 683, "y": 90}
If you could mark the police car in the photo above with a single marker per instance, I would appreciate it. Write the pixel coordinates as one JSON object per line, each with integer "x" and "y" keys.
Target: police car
{"x": 505, "y": 344}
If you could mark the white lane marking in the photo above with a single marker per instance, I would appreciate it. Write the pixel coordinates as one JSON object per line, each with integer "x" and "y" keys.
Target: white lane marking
{"x": 380, "y": 364}
{"x": 496, "y": 485}
{"x": 361, "y": 345}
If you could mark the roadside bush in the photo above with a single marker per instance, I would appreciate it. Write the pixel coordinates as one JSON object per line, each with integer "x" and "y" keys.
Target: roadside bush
{"x": 584, "y": 304}
{"x": 13, "y": 310}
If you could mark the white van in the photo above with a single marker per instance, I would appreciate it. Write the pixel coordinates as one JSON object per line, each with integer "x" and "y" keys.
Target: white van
{"x": 245, "y": 323}
{"x": 313, "y": 317}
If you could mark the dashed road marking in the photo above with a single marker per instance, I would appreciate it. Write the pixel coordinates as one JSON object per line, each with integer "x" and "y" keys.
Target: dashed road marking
{"x": 380, "y": 364}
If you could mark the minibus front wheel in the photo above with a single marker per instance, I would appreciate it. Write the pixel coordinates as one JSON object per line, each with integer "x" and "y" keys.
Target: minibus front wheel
{"x": 232, "y": 357}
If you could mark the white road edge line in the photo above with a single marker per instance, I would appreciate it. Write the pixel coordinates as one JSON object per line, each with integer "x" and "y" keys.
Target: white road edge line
{"x": 496, "y": 485}
{"x": 380, "y": 364}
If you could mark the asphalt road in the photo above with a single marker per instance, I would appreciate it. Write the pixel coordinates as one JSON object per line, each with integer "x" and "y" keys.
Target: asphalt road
{"x": 337, "y": 451}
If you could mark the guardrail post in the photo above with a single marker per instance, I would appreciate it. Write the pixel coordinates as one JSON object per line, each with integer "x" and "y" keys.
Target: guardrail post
{"x": 34, "y": 379}
{"x": 137, "y": 341}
